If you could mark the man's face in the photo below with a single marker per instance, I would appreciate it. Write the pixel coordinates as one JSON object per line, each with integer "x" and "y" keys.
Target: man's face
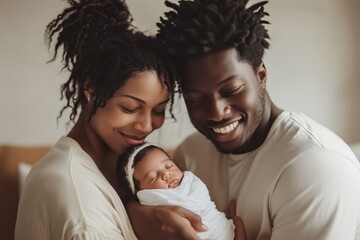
{"x": 225, "y": 100}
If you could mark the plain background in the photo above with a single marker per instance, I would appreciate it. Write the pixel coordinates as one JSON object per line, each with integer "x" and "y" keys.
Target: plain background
{"x": 313, "y": 66}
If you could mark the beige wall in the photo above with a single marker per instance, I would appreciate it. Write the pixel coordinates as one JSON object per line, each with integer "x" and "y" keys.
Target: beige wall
{"x": 312, "y": 67}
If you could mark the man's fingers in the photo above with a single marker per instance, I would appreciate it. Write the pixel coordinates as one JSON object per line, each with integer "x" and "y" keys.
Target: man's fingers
{"x": 240, "y": 233}
{"x": 231, "y": 211}
{"x": 186, "y": 232}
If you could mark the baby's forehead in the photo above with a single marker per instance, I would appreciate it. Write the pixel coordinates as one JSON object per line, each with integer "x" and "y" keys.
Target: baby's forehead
{"x": 156, "y": 153}
{"x": 154, "y": 166}
{"x": 157, "y": 164}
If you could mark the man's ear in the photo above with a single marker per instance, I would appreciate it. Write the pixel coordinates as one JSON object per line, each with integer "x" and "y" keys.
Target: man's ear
{"x": 261, "y": 75}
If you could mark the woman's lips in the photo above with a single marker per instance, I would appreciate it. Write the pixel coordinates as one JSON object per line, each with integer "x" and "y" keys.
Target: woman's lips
{"x": 133, "y": 140}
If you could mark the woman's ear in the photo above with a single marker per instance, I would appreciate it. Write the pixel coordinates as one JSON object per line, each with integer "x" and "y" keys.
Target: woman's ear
{"x": 88, "y": 91}
{"x": 88, "y": 95}
{"x": 261, "y": 75}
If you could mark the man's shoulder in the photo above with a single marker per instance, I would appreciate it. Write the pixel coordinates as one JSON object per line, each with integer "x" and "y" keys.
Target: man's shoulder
{"x": 299, "y": 129}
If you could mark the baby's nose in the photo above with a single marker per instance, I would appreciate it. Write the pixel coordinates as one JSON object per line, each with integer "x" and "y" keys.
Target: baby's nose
{"x": 166, "y": 175}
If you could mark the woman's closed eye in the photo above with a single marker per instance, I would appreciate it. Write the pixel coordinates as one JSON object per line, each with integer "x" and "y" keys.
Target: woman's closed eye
{"x": 159, "y": 112}
{"x": 129, "y": 110}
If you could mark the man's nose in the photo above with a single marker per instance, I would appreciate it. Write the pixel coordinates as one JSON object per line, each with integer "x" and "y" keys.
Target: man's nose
{"x": 217, "y": 110}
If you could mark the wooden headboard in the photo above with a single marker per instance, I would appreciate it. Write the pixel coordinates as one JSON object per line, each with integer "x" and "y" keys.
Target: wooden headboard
{"x": 10, "y": 157}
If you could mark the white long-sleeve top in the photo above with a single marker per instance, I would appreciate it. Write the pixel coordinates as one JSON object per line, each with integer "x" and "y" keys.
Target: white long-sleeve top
{"x": 66, "y": 196}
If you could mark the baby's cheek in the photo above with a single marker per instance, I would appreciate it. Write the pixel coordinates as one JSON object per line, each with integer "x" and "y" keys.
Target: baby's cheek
{"x": 162, "y": 185}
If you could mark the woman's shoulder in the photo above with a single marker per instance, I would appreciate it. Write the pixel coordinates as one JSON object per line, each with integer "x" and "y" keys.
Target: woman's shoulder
{"x": 71, "y": 187}
{"x": 62, "y": 159}
{"x": 68, "y": 174}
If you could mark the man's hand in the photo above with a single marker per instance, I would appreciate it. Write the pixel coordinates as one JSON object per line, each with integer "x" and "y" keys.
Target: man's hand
{"x": 164, "y": 222}
{"x": 240, "y": 233}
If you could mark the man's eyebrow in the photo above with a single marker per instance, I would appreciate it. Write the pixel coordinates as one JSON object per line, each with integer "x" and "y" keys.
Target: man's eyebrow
{"x": 220, "y": 83}
{"x": 227, "y": 79}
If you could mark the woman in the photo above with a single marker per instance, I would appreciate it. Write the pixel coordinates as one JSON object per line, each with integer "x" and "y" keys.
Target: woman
{"x": 117, "y": 93}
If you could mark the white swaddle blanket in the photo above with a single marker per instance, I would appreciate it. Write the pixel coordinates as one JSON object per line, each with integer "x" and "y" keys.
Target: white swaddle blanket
{"x": 193, "y": 195}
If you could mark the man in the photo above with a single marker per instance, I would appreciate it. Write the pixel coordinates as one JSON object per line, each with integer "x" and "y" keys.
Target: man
{"x": 291, "y": 177}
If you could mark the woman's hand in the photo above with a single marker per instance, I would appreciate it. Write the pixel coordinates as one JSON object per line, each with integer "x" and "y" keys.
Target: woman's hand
{"x": 240, "y": 233}
{"x": 164, "y": 222}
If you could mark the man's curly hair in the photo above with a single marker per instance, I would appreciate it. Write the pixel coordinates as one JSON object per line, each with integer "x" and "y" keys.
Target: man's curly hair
{"x": 102, "y": 50}
{"x": 200, "y": 27}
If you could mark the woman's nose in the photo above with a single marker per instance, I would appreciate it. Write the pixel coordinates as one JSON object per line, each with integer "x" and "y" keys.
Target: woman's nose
{"x": 144, "y": 123}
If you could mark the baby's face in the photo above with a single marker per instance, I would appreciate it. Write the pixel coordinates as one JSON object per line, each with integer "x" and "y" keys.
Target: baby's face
{"x": 157, "y": 171}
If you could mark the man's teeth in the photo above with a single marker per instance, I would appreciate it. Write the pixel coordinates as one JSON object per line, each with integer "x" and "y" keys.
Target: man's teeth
{"x": 227, "y": 129}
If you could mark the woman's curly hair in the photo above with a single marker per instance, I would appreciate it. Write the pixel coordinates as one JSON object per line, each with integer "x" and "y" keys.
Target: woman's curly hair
{"x": 102, "y": 50}
{"x": 199, "y": 27}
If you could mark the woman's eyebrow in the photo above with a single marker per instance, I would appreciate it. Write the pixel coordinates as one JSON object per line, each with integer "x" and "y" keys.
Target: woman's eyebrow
{"x": 132, "y": 97}
{"x": 163, "y": 102}
{"x": 142, "y": 101}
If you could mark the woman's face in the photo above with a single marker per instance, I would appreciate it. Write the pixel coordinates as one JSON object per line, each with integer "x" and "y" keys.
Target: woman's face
{"x": 156, "y": 171}
{"x": 135, "y": 110}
